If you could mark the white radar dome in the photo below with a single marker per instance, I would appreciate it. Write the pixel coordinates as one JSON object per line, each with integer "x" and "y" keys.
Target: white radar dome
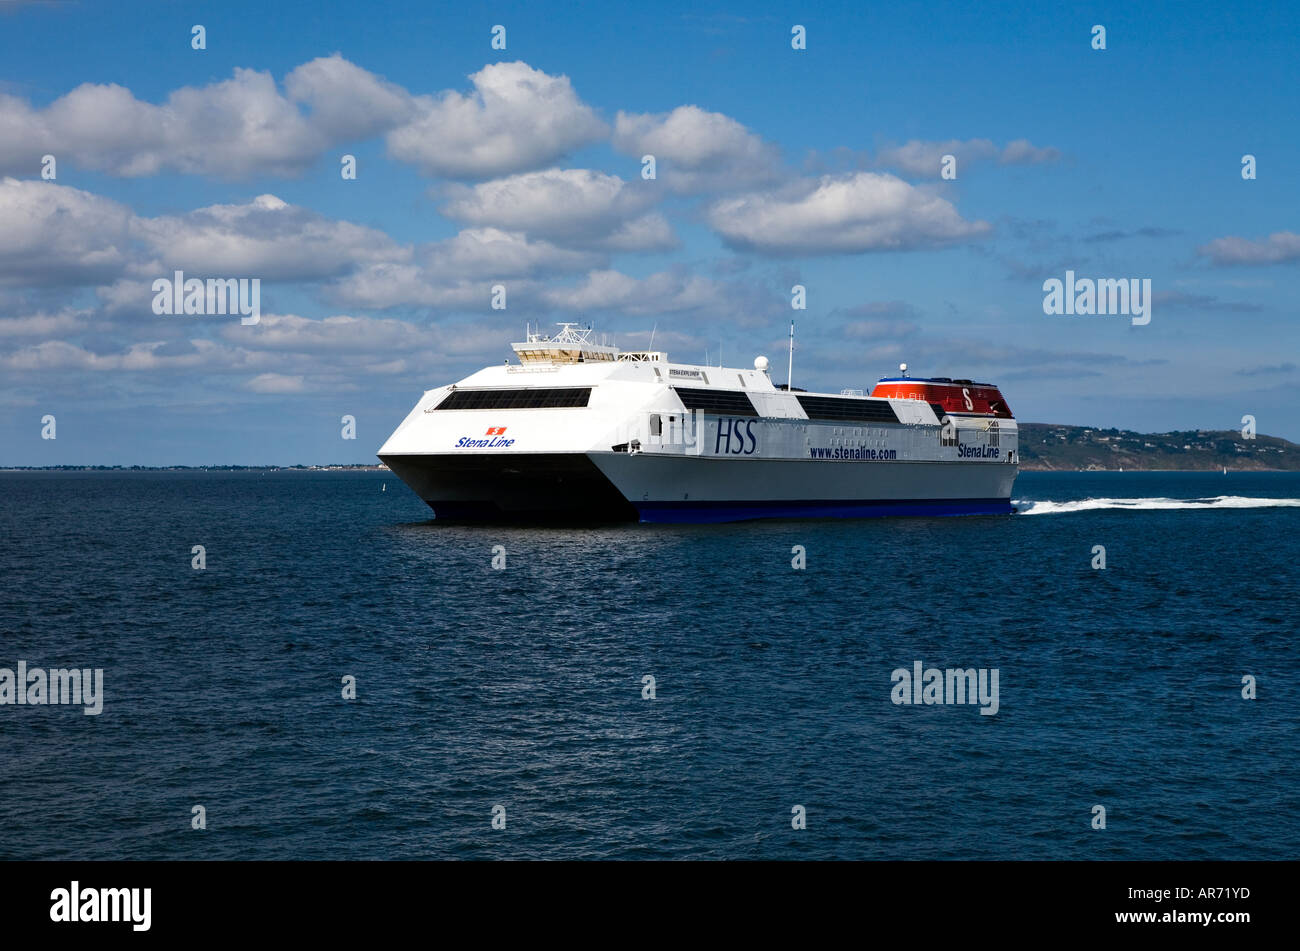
{"x": 760, "y": 363}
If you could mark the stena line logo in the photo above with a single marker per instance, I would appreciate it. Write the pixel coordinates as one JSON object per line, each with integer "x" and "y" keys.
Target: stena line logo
{"x": 494, "y": 438}
{"x": 103, "y": 904}
{"x": 977, "y": 452}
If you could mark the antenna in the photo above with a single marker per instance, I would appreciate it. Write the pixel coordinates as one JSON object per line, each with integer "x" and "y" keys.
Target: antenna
{"x": 652, "y": 336}
{"x": 789, "y": 375}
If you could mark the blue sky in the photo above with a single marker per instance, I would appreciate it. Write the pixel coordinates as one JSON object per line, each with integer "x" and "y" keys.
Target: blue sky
{"x": 522, "y": 166}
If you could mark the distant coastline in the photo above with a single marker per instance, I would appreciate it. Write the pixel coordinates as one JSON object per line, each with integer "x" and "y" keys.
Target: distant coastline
{"x": 1044, "y": 447}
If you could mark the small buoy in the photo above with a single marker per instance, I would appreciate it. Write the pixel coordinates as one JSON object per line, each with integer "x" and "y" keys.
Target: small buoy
{"x": 384, "y": 487}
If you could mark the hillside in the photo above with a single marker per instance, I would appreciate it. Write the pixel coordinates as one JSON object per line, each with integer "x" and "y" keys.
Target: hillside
{"x": 1046, "y": 446}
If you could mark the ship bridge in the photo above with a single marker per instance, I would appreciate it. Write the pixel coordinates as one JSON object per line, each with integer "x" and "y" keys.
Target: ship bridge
{"x": 572, "y": 344}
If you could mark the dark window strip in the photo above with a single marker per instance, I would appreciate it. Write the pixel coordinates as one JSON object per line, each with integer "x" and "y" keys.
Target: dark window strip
{"x": 522, "y": 398}
{"x": 849, "y": 410}
{"x": 716, "y": 402}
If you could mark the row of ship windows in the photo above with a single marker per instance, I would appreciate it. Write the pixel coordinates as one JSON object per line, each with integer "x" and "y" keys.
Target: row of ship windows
{"x": 844, "y": 436}
{"x": 717, "y": 402}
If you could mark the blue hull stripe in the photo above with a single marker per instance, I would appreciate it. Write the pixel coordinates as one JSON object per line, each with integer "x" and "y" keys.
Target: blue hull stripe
{"x": 708, "y": 511}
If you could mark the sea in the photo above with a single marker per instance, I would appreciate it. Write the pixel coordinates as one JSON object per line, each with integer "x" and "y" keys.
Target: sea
{"x": 306, "y": 665}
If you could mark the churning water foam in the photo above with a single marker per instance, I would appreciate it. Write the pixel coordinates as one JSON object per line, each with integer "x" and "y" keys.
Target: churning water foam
{"x": 1024, "y": 507}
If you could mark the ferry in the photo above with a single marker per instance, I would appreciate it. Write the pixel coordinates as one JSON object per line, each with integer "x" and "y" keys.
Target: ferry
{"x": 579, "y": 430}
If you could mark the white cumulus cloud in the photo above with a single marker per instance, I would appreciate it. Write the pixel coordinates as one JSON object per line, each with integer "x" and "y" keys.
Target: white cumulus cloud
{"x": 516, "y": 118}
{"x": 55, "y": 234}
{"x": 576, "y": 207}
{"x": 265, "y": 238}
{"x": 841, "y": 214}
{"x": 697, "y": 151}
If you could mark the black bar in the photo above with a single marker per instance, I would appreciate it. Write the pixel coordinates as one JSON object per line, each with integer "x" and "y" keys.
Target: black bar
{"x": 939, "y": 904}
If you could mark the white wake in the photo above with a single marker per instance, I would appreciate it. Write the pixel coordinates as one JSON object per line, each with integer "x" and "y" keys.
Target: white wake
{"x": 1086, "y": 505}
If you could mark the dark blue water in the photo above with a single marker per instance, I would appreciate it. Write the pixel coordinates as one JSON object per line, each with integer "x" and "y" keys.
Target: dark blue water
{"x": 522, "y": 688}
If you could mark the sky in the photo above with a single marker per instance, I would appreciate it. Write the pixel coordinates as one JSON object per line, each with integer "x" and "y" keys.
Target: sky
{"x": 523, "y": 167}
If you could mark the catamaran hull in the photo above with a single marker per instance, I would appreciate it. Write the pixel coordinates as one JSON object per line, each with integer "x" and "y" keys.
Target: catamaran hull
{"x": 521, "y": 487}
{"x": 651, "y": 488}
